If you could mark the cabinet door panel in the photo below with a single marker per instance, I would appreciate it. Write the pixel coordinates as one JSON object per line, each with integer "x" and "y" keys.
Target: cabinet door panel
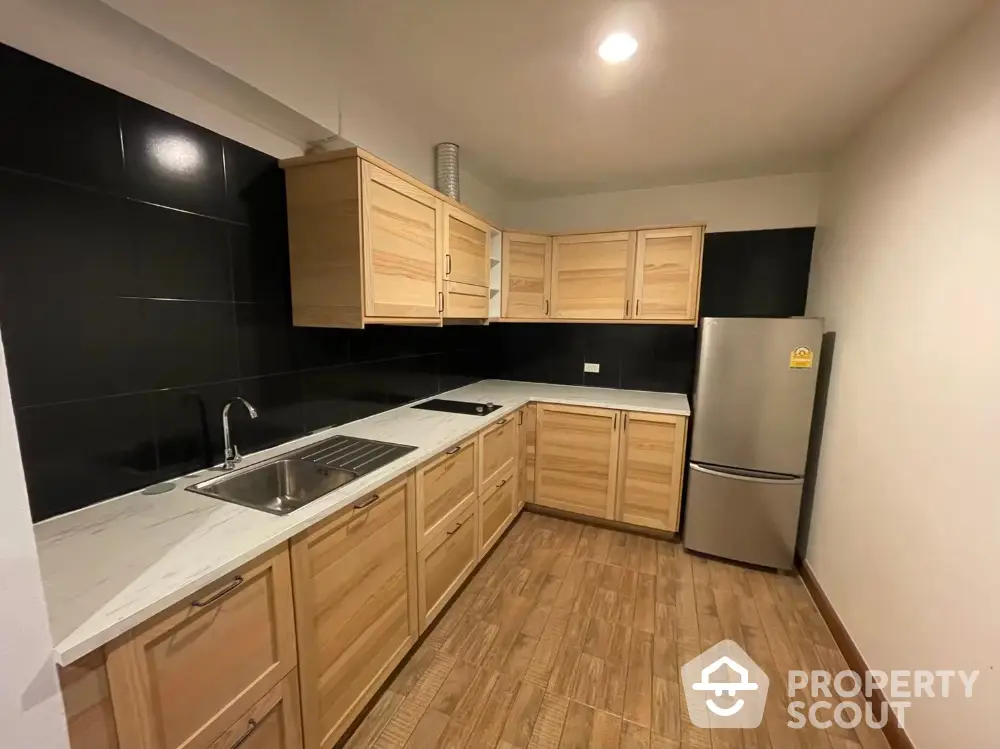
{"x": 467, "y": 249}
{"x": 576, "y": 459}
{"x": 592, "y": 276}
{"x": 526, "y": 479}
{"x": 651, "y": 470}
{"x": 498, "y": 449}
{"x": 527, "y": 265}
{"x": 445, "y": 487}
{"x": 495, "y": 513}
{"x": 90, "y": 717}
{"x": 273, "y": 723}
{"x": 444, "y": 564}
{"x": 462, "y": 300}
{"x": 352, "y": 609}
{"x": 401, "y": 247}
{"x": 668, "y": 274}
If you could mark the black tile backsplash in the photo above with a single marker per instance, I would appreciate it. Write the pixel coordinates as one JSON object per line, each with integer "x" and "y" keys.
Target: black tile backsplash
{"x": 144, "y": 282}
{"x": 142, "y": 289}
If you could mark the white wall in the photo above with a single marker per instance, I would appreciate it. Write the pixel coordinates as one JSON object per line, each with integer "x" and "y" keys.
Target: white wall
{"x": 31, "y": 710}
{"x": 906, "y": 271}
{"x": 736, "y": 205}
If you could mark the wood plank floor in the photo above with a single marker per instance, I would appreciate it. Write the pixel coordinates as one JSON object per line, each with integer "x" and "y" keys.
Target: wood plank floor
{"x": 572, "y": 637}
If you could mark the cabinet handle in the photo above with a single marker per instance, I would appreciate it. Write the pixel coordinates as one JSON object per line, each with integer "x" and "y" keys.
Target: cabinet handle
{"x": 366, "y": 503}
{"x": 440, "y": 301}
{"x": 546, "y": 306}
{"x": 251, "y": 727}
{"x": 452, "y": 450}
{"x": 503, "y": 420}
{"x": 455, "y": 529}
{"x": 501, "y": 483}
{"x": 626, "y": 308}
{"x": 447, "y": 265}
{"x": 520, "y": 418}
{"x": 637, "y": 303}
{"x": 236, "y": 582}
{"x": 615, "y": 423}
{"x": 625, "y": 423}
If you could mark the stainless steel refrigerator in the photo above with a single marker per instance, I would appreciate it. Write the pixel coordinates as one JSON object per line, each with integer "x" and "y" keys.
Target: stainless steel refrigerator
{"x": 753, "y": 403}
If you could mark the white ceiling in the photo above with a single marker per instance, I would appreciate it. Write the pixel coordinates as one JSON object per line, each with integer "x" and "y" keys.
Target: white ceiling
{"x": 719, "y": 89}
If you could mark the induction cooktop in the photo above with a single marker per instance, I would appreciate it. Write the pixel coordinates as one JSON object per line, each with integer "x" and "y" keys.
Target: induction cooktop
{"x": 458, "y": 407}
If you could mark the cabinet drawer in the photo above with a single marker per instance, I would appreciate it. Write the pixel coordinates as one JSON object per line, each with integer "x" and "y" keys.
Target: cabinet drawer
{"x": 495, "y": 512}
{"x": 273, "y": 723}
{"x": 182, "y": 679}
{"x": 445, "y": 486}
{"x": 352, "y": 614}
{"x": 498, "y": 451}
{"x": 465, "y": 300}
{"x": 444, "y": 564}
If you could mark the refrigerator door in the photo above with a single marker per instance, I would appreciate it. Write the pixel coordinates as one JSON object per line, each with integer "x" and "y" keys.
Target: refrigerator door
{"x": 744, "y": 516}
{"x": 754, "y": 392}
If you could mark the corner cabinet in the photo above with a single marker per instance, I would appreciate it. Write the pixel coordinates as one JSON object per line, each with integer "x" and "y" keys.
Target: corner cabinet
{"x": 526, "y": 270}
{"x": 368, "y": 244}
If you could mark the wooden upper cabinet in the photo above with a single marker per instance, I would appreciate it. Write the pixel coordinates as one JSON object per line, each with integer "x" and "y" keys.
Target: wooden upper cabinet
{"x": 668, "y": 274}
{"x": 352, "y": 607}
{"x": 526, "y": 269}
{"x": 576, "y": 459}
{"x": 401, "y": 247}
{"x": 592, "y": 276}
{"x": 651, "y": 470}
{"x": 466, "y": 248}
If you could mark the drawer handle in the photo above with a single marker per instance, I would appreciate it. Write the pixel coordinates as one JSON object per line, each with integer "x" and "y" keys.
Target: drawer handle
{"x": 251, "y": 727}
{"x": 366, "y": 503}
{"x": 503, "y": 420}
{"x": 501, "y": 483}
{"x": 453, "y": 450}
{"x": 455, "y": 529}
{"x": 236, "y": 582}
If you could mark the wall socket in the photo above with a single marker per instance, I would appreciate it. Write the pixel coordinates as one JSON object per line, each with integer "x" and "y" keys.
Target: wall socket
{"x": 591, "y": 367}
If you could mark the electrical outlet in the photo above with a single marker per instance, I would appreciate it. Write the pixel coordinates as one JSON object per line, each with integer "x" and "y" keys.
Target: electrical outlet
{"x": 591, "y": 367}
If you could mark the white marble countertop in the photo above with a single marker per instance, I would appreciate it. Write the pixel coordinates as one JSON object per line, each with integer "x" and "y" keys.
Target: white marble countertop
{"x": 109, "y": 567}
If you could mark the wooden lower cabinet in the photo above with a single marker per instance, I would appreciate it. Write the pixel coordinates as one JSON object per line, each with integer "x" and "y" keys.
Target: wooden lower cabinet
{"x": 496, "y": 510}
{"x": 445, "y": 562}
{"x": 86, "y": 695}
{"x": 352, "y": 608}
{"x": 273, "y": 723}
{"x": 183, "y": 678}
{"x": 526, "y": 454}
{"x": 651, "y": 469}
{"x": 497, "y": 452}
{"x": 577, "y": 459}
{"x": 445, "y": 485}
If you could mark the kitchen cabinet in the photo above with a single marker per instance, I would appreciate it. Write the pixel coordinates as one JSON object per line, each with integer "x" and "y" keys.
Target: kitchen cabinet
{"x": 445, "y": 562}
{"x": 668, "y": 274}
{"x": 183, "y": 678}
{"x": 497, "y": 451}
{"x": 273, "y": 723}
{"x": 446, "y": 486}
{"x": 90, "y": 717}
{"x": 651, "y": 470}
{"x": 368, "y": 244}
{"x": 353, "y": 607}
{"x": 496, "y": 511}
{"x": 592, "y": 276}
{"x": 526, "y": 454}
{"x": 576, "y": 459}
{"x": 526, "y": 270}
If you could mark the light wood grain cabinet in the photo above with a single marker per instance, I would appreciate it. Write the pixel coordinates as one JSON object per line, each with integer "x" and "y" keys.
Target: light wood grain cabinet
{"x": 576, "y": 459}
{"x": 498, "y": 451}
{"x": 273, "y": 723}
{"x": 668, "y": 274}
{"x": 592, "y": 276}
{"x": 352, "y": 608}
{"x": 90, "y": 716}
{"x": 526, "y": 270}
{"x": 651, "y": 470}
{"x": 526, "y": 454}
{"x": 496, "y": 511}
{"x": 466, "y": 248}
{"x": 445, "y": 562}
{"x": 186, "y": 676}
{"x": 446, "y": 486}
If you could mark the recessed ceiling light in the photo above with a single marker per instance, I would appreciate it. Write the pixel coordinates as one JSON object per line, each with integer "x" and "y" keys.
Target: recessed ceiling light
{"x": 617, "y": 47}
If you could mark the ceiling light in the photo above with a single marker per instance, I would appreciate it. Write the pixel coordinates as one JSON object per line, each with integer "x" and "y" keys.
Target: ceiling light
{"x": 617, "y": 47}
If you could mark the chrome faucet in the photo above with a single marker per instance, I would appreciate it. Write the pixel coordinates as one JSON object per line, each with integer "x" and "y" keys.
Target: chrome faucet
{"x": 232, "y": 452}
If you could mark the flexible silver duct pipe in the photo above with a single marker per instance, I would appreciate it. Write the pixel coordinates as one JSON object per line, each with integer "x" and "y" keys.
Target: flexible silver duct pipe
{"x": 446, "y": 162}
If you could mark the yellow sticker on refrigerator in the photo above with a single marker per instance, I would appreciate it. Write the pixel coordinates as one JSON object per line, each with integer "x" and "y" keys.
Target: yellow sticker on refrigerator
{"x": 801, "y": 358}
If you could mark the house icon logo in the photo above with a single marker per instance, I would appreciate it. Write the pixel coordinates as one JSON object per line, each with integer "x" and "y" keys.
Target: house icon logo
{"x": 724, "y": 688}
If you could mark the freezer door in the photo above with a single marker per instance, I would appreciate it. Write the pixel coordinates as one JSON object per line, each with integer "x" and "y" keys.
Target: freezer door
{"x": 754, "y": 394}
{"x": 742, "y": 516}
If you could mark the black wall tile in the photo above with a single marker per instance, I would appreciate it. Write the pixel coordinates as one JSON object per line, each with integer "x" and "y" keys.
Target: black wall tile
{"x": 57, "y": 124}
{"x": 253, "y": 181}
{"x": 76, "y": 454}
{"x": 281, "y": 414}
{"x": 260, "y": 263}
{"x": 658, "y": 357}
{"x": 265, "y": 339}
{"x": 172, "y": 162}
{"x": 188, "y": 424}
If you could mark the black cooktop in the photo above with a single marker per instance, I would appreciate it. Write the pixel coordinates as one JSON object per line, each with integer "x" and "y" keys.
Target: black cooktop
{"x": 458, "y": 407}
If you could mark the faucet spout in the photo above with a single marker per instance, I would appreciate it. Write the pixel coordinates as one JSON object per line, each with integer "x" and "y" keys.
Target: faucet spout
{"x": 232, "y": 453}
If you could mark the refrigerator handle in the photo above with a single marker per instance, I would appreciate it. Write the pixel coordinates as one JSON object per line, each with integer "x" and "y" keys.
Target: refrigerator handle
{"x": 743, "y": 477}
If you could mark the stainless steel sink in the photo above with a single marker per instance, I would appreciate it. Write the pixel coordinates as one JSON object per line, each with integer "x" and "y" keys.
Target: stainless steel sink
{"x": 297, "y": 478}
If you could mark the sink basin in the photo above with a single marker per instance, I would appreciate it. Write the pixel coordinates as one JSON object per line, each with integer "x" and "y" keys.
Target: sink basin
{"x": 297, "y": 478}
{"x": 278, "y": 487}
